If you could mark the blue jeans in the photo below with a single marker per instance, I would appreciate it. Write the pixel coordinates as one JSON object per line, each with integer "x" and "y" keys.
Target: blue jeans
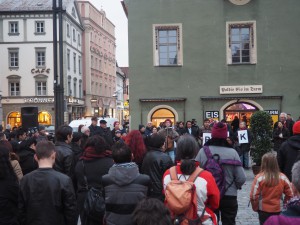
{"x": 245, "y": 159}
{"x": 171, "y": 154}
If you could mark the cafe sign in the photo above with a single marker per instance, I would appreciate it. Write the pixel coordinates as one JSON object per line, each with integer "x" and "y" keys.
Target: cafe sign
{"x": 241, "y": 89}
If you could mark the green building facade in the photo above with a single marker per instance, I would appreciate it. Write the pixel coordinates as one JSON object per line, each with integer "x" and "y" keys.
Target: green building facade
{"x": 213, "y": 59}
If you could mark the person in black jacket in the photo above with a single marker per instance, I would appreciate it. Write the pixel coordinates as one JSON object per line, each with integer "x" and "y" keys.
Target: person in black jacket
{"x": 288, "y": 153}
{"x": 123, "y": 185}
{"x": 26, "y": 154}
{"x": 9, "y": 189}
{"x": 94, "y": 128}
{"x": 46, "y": 196}
{"x": 64, "y": 161}
{"x": 93, "y": 164}
{"x": 280, "y": 135}
{"x": 155, "y": 163}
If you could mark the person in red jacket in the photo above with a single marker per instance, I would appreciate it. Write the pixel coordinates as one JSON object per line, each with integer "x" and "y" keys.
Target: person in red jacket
{"x": 208, "y": 195}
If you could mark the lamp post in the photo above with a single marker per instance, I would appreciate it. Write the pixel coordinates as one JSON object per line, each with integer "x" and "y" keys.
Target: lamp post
{"x": 58, "y": 78}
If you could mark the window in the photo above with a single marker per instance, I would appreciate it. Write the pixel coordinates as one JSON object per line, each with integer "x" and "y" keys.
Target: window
{"x": 13, "y": 57}
{"x": 80, "y": 89}
{"x": 69, "y": 85}
{"x": 79, "y": 64}
{"x": 74, "y": 35}
{"x": 168, "y": 49}
{"x": 74, "y": 61}
{"x": 14, "y": 28}
{"x": 14, "y": 88}
{"x": 68, "y": 30}
{"x": 78, "y": 38}
{"x": 40, "y": 57}
{"x": 241, "y": 43}
{"x": 40, "y": 27}
{"x": 41, "y": 88}
{"x": 75, "y": 87}
{"x": 68, "y": 59}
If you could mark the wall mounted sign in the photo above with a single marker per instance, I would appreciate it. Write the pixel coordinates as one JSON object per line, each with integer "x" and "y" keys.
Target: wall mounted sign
{"x": 212, "y": 114}
{"x": 241, "y": 89}
{"x": 38, "y": 100}
{"x": 34, "y": 71}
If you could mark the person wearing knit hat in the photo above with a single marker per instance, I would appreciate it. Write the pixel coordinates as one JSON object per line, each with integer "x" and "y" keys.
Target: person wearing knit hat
{"x": 234, "y": 175}
{"x": 219, "y": 131}
{"x": 288, "y": 152}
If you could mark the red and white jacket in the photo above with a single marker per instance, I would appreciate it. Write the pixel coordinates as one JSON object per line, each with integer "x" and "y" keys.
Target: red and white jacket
{"x": 267, "y": 199}
{"x": 207, "y": 192}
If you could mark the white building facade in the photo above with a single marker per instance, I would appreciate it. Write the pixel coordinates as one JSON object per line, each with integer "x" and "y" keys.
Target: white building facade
{"x": 26, "y": 68}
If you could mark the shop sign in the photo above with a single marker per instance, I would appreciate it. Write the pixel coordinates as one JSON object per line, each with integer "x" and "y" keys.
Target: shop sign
{"x": 73, "y": 100}
{"x": 34, "y": 71}
{"x": 38, "y": 100}
{"x": 211, "y": 114}
{"x": 241, "y": 89}
{"x": 272, "y": 112}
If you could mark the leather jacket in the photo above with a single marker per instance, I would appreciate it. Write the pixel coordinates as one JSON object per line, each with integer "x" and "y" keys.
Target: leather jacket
{"x": 155, "y": 163}
{"x": 46, "y": 198}
{"x": 64, "y": 161}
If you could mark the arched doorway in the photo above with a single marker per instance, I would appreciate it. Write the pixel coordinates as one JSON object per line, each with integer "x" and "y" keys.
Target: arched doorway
{"x": 14, "y": 119}
{"x": 44, "y": 118}
{"x": 160, "y": 115}
{"x": 243, "y": 110}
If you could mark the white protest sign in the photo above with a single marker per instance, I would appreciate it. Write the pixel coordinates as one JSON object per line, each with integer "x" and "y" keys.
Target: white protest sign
{"x": 206, "y": 137}
{"x": 243, "y": 136}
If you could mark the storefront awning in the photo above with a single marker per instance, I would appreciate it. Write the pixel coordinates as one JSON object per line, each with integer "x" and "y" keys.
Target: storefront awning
{"x": 208, "y": 98}
{"x": 162, "y": 99}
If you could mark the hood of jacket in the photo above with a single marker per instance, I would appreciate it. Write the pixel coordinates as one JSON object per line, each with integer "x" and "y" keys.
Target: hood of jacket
{"x": 124, "y": 173}
{"x": 294, "y": 142}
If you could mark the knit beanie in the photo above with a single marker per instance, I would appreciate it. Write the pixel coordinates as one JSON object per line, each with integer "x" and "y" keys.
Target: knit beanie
{"x": 219, "y": 130}
{"x": 296, "y": 128}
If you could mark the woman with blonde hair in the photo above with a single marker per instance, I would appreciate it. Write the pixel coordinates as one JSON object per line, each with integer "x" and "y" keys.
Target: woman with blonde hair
{"x": 268, "y": 187}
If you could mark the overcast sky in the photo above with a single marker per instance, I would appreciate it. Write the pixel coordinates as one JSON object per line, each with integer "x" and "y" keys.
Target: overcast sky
{"x": 114, "y": 12}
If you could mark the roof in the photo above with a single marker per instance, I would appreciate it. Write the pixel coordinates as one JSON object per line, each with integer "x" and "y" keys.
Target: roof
{"x": 125, "y": 71}
{"x": 29, "y": 5}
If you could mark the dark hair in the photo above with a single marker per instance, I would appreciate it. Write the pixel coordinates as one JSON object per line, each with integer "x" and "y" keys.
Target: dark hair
{"x": 6, "y": 169}
{"x": 79, "y": 127}
{"x": 188, "y": 122}
{"x": 187, "y": 148}
{"x": 76, "y": 136}
{"x": 98, "y": 143}
{"x": 218, "y": 142}
{"x": 27, "y": 143}
{"x": 2, "y": 135}
{"x": 223, "y": 121}
{"x": 121, "y": 153}
{"x": 12, "y": 134}
{"x": 44, "y": 149}
{"x": 20, "y": 132}
{"x": 206, "y": 120}
{"x": 156, "y": 141}
{"x": 62, "y": 133}
{"x": 151, "y": 211}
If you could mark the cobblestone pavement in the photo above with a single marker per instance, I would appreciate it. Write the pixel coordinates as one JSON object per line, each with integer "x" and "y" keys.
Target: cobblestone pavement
{"x": 246, "y": 216}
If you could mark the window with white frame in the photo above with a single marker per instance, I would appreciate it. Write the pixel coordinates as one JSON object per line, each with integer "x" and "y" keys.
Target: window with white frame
{"x": 80, "y": 88}
{"x": 79, "y": 64}
{"x": 167, "y": 40}
{"x": 74, "y": 35}
{"x": 75, "y": 87}
{"x": 40, "y": 57}
{"x": 13, "y": 54}
{"x": 68, "y": 30}
{"x": 13, "y": 28}
{"x": 241, "y": 42}
{"x": 68, "y": 58}
{"x": 41, "y": 88}
{"x": 14, "y": 88}
{"x": 40, "y": 27}
{"x": 74, "y": 61}
{"x": 69, "y": 85}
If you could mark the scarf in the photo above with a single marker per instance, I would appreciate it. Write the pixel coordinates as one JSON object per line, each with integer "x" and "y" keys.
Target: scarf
{"x": 90, "y": 154}
{"x": 125, "y": 165}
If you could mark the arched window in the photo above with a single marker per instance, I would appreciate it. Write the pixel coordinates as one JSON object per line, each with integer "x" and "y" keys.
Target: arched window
{"x": 14, "y": 119}
{"x": 161, "y": 115}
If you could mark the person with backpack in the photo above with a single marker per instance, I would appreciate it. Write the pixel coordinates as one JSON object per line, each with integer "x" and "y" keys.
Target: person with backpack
{"x": 219, "y": 158}
{"x": 191, "y": 193}
{"x": 268, "y": 187}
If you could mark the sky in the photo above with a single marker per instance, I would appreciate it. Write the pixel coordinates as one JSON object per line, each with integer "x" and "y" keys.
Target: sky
{"x": 115, "y": 13}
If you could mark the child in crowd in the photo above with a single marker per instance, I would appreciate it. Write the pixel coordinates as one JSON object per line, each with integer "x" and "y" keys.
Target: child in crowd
{"x": 268, "y": 187}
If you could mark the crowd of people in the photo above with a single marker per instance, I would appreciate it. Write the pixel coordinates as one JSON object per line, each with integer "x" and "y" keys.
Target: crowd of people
{"x": 134, "y": 172}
